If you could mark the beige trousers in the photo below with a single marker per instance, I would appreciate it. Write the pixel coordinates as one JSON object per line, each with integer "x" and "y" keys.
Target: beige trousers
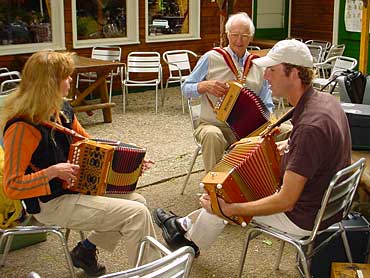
{"x": 214, "y": 141}
{"x": 108, "y": 219}
{"x": 206, "y": 227}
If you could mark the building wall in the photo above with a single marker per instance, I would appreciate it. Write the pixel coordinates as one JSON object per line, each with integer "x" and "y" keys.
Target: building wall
{"x": 312, "y": 19}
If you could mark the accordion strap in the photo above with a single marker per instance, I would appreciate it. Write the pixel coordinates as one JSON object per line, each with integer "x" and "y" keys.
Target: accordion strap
{"x": 63, "y": 129}
{"x": 281, "y": 120}
{"x": 230, "y": 62}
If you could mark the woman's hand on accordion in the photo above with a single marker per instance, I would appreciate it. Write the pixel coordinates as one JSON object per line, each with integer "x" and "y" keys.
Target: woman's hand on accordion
{"x": 213, "y": 87}
{"x": 64, "y": 171}
{"x": 147, "y": 164}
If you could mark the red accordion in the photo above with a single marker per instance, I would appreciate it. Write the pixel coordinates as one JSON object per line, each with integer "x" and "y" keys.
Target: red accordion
{"x": 242, "y": 110}
{"x": 250, "y": 171}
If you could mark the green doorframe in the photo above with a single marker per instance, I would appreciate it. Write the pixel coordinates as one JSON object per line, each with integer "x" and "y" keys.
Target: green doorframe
{"x": 271, "y": 33}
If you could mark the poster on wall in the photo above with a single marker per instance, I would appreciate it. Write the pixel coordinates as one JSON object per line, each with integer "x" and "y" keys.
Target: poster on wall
{"x": 353, "y": 15}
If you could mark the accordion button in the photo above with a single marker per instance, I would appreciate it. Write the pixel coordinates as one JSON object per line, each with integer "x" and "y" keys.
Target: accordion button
{"x": 201, "y": 185}
{"x": 225, "y": 222}
{"x": 244, "y": 224}
{"x": 219, "y": 186}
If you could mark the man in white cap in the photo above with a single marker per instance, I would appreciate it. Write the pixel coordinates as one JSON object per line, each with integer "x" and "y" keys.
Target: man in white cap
{"x": 319, "y": 146}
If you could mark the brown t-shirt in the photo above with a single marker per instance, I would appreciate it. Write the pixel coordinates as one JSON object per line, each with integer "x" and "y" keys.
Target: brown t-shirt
{"x": 318, "y": 147}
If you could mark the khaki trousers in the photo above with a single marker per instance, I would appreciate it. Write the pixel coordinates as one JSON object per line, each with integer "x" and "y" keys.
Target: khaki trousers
{"x": 108, "y": 219}
{"x": 214, "y": 141}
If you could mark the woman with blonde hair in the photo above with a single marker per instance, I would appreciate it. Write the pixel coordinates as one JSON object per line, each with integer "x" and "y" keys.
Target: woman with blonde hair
{"x": 36, "y": 166}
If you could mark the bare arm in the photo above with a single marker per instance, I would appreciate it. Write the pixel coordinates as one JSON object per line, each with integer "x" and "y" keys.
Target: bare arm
{"x": 282, "y": 201}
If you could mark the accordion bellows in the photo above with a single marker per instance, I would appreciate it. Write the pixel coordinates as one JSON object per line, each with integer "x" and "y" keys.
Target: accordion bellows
{"x": 106, "y": 167}
{"x": 250, "y": 171}
{"x": 242, "y": 110}
{"x": 125, "y": 169}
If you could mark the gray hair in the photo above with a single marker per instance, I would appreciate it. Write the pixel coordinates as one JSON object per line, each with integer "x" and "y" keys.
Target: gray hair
{"x": 243, "y": 16}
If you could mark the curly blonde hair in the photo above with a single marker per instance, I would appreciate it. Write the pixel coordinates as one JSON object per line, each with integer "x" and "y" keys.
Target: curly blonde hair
{"x": 39, "y": 96}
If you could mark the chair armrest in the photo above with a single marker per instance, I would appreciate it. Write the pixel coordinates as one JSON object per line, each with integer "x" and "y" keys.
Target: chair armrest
{"x": 11, "y": 74}
{"x": 148, "y": 240}
{"x": 178, "y": 68}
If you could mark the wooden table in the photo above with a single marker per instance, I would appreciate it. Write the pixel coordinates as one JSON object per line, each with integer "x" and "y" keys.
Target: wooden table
{"x": 102, "y": 69}
{"x": 260, "y": 53}
{"x": 364, "y": 188}
{"x": 264, "y": 43}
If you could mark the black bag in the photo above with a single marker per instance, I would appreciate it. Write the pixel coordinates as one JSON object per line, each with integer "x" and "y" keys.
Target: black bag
{"x": 354, "y": 83}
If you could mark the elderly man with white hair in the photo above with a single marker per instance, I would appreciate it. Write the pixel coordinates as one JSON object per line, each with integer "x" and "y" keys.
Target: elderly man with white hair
{"x": 208, "y": 80}
{"x": 318, "y": 147}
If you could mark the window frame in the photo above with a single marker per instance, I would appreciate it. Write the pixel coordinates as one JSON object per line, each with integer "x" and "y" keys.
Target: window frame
{"x": 132, "y": 10}
{"x": 194, "y": 26}
{"x": 58, "y": 35}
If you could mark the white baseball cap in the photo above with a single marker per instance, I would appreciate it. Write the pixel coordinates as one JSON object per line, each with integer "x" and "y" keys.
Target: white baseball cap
{"x": 287, "y": 51}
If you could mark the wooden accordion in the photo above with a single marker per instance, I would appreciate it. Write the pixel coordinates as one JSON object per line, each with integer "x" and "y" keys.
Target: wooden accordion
{"x": 242, "y": 110}
{"x": 106, "y": 167}
{"x": 250, "y": 171}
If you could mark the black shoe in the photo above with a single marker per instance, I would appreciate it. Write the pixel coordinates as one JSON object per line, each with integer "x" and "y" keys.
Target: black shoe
{"x": 87, "y": 260}
{"x": 172, "y": 231}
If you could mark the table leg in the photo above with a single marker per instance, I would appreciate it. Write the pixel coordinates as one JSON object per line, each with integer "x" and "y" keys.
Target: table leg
{"x": 103, "y": 91}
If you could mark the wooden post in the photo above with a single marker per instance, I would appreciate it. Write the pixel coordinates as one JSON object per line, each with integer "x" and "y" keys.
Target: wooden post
{"x": 364, "y": 43}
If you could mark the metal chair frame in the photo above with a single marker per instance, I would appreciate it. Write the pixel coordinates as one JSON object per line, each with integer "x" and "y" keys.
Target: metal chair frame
{"x": 194, "y": 112}
{"x": 105, "y": 53}
{"x": 11, "y": 78}
{"x": 335, "y": 50}
{"x": 7, "y": 236}
{"x": 143, "y": 62}
{"x": 316, "y": 52}
{"x": 337, "y": 64}
{"x": 337, "y": 198}
{"x": 173, "y": 264}
{"x": 178, "y": 62}
{"x": 325, "y": 45}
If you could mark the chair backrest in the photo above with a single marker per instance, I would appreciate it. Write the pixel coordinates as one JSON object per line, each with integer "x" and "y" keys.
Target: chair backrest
{"x": 107, "y": 53}
{"x": 316, "y": 52}
{"x": 9, "y": 81}
{"x": 325, "y": 45}
{"x": 342, "y": 63}
{"x": 339, "y": 194}
{"x": 178, "y": 61}
{"x": 336, "y": 50}
{"x": 143, "y": 62}
{"x": 173, "y": 264}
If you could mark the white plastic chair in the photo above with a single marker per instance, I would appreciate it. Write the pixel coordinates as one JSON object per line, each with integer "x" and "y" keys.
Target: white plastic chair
{"x": 337, "y": 65}
{"x": 143, "y": 63}
{"x": 105, "y": 53}
{"x": 179, "y": 68}
{"x": 173, "y": 264}
{"x": 337, "y": 199}
{"x": 194, "y": 112}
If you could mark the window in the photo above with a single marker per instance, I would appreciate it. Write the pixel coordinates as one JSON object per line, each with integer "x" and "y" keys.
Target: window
{"x": 112, "y": 22}
{"x": 170, "y": 20}
{"x": 31, "y": 25}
